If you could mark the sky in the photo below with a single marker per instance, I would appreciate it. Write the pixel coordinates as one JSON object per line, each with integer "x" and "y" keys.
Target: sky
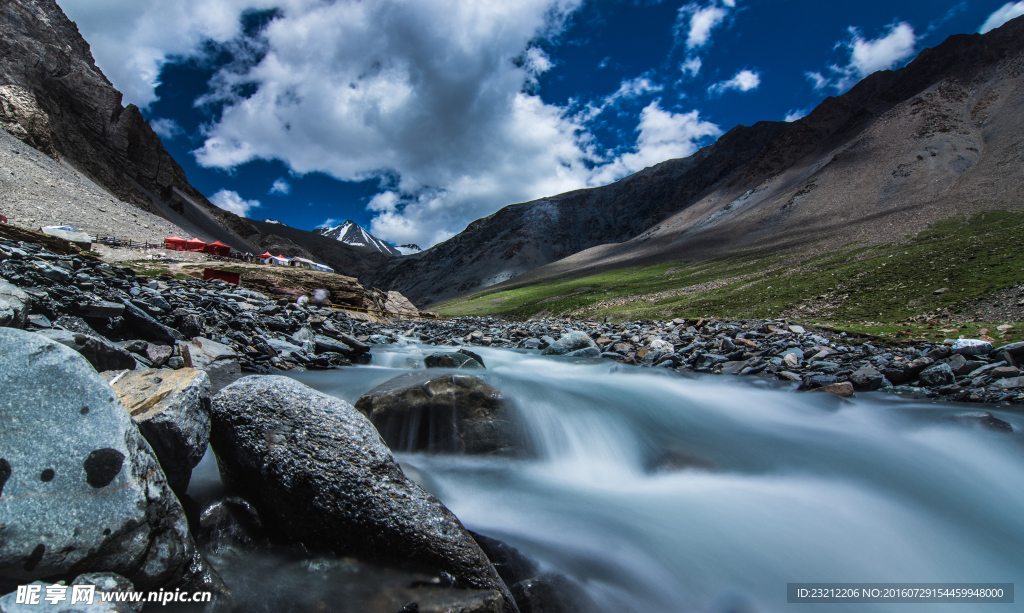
{"x": 415, "y": 117}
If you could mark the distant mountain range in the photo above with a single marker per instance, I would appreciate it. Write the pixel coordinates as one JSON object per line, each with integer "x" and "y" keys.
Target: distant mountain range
{"x": 937, "y": 138}
{"x": 353, "y": 234}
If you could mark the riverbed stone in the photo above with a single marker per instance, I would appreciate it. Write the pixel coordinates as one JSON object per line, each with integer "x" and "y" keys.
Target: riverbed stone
{"x": 971, "y": 346}
{"x": 100, "y": 352}
{"x": 318, "y": 473}
{"x": 451, "y": 360}
{"x": 939, "y": 374}
{"x": 423, "y": 411}
{"x": 82, "y": 490}
{"x": 15, "y": 305}
{"x": 217, "y": 360}
{"x": 867, "y": 379}
{"x": 172, "y": 410}
{"x": 571, "y": 341}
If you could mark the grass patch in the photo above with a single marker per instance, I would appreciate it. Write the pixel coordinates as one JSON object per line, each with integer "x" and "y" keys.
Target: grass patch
{"x": 962, "y": 259}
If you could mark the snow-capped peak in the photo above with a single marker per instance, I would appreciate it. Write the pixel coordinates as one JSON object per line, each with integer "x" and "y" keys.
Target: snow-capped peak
{"x": 351, "y": 233}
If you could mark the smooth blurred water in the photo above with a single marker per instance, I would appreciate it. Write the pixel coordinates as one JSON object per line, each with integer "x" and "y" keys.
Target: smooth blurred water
{"x": 662, "y": 492}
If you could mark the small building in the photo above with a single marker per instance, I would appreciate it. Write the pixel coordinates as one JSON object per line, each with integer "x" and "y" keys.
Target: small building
{"x": 218, "y": 248}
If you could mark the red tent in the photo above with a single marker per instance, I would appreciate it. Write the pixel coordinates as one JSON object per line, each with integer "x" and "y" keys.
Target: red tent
{"x": 176, "y": 243}
{"x": 265, "y": 255}
{"x": 195, "y": 245}
{"x": 218, "y": 248}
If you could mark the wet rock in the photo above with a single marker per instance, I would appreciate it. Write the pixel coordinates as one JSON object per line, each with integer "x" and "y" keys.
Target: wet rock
{"x": 192, "y": 325}
{"x": 172, "y": 410}
{"x": 475, "y": 356}
{"x": 867, "y": 379}
{"x": 318, "y": 473}
{"x": 109, "y": 582}
{"x": 100, "y": 309}
{"x": 451, "y": 360}
{"x": 80, "y": 473}
{"x": 230, "y": 523}
{"x": 421, "y": 411}
{"x": 326, "y": 344}
{"x": 843, "y": 388}
{"x": 510, "y": 563}
{"x": 1009, "y": 383}
{"x": 939, "y": 374}
{"x": 1004, "y": 372}
{"x": 552, "y": 593}
{"x": 100, "y": 352}
{"x": 959, "y": 364}
{"x": 985, "y": 420}
{"x": 912, "y": 369}
{"x": 814, "y": 381}
{"x": 158, "y": 354}
{"x": 586, "y": 352}
{"x": 572, "y": 341}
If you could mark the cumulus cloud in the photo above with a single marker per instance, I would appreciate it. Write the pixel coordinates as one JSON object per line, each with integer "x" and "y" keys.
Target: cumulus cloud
{"x": 1003, "y": 14}
{"x": 698, "y": 22}
{"x": 742, "y": 81}
{"x": 166, "y": 128}
{"x": 691, "y": 66}
{"x": 230, "y": 201}
{"x": 797, "y": 114}
{"x": 330, "y": 222}
{"x": 867, "y": 56}
{"x": 434, "y": 99}
{"x": 281, "y": 187}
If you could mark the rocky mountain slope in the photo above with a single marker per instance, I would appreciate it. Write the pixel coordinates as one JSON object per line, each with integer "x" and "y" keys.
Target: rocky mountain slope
{"x": 937, "y": 138}
{"x": 104, "y": 169}
{"x": 353, "y": 234}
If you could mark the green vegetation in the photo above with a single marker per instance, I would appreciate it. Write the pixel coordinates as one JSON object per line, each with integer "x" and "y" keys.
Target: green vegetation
{"x": 961, "y": 259}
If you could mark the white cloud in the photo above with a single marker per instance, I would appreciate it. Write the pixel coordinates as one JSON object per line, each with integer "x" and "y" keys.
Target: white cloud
{"x": 797, "y": 114}
{"x": 432, "y": 98}
{"x": 166, "y": 128}
{"x": 280, "y": 186}
{"x": 230, "y": 201}
{"x": 868, "y": 56}
{"x": 742, "y": 81}
{"x": 1003, "y": 14}
{"x": 330, "y": 222}
{"x": 698, "y": 22}
{"x": 691, "y": 66}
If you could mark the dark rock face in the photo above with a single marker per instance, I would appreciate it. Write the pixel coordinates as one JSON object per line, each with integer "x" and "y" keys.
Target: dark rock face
{"x": 172, "y": 410}
{"x": 420, "y": 411}
{"x": 14, "y": 306}
{"x": 67, "y": 107}
{"x": 451, "y": 360}
{"x": 83, "y": 491}
{"x": 319, "y": 474}
{"x": 867, "y": 379}
{"x": 552, "y": 593}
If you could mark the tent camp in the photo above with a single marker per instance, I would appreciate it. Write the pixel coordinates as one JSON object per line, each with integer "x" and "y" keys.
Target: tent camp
{"x": 324, "y": 267}
{"x": 218, "y": 248}
{"x": 68, "y": 233}
{"x": 175, "y": 243}
{"x": 195, "y": 245}
{"x": 302, "y": 263}
{"x": 279, "y": 260}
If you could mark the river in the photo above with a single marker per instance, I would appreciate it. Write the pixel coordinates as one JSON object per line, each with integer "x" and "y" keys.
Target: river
{"x": 664, "y": 492}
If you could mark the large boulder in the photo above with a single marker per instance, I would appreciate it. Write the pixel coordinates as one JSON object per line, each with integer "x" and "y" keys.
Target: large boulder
{"x": 939, "y": 374}
{"x": 423, "y": 411}
{"x": 80, "y": 489}
{"x": 100, "y": 352}
{"x": 868, "y": 379}
{"x": 397, "y": 303}
{"x": 14, "y": 306}
{"x": 217, "y": 360}
{"x": 172, "y": 410}
{"x": 573, "y": 341}
{"x": 319, "y": 473}
{"x": 147, "y": 327}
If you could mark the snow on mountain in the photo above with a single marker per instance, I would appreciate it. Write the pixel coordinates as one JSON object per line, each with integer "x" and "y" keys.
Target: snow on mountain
{"x": 351, "y": 233}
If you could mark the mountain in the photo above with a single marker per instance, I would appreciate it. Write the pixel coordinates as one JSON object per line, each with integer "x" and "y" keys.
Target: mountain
{"x": 353, "y": 234}
{"x": 940, "y": 137}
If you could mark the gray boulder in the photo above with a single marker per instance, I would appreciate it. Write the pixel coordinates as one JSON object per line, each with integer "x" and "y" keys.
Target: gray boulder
{"x": 570, "y": 342}
{"x": 217, "y": 360}
{"x": 100, "y": 352}
{"x": 14, "y": 306}
{"x": 80, "y": 489}
{"x": 971, "y": 346}
{"x": 319, "y": 473}
{"x": 868, "y": 379}
{"x": 451, "y": 360}
{"x": 939, "y": 374}
{"x": 172, "y": 410}
{"x": 422, "y": 411}
{"x": 586, "y": 352}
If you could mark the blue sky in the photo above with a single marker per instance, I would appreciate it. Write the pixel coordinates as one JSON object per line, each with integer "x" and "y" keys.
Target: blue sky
{"x": 415, "y": 117}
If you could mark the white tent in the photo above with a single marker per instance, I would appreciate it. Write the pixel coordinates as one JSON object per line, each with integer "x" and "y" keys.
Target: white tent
{"x": 324, "y": 268}
{"x": 302, "y": 263}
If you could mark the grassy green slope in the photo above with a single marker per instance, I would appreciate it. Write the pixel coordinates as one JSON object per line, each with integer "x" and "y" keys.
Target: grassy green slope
{"x": 969, "y": 258}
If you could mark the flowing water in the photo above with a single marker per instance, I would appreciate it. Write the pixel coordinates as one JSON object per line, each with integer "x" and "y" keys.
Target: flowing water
{"x": 662, "y": 492}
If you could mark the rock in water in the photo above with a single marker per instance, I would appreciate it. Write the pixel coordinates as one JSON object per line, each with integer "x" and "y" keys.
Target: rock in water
{"x": 80, "y": 490}
{"x": 219, "y": 361}
{"x": 451, "y": 360}
{"x": 573, "y": 341}
{"x": 172, "y": 410}
{"x": 421, "y": 411}
{"x": 318, "y": 473}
